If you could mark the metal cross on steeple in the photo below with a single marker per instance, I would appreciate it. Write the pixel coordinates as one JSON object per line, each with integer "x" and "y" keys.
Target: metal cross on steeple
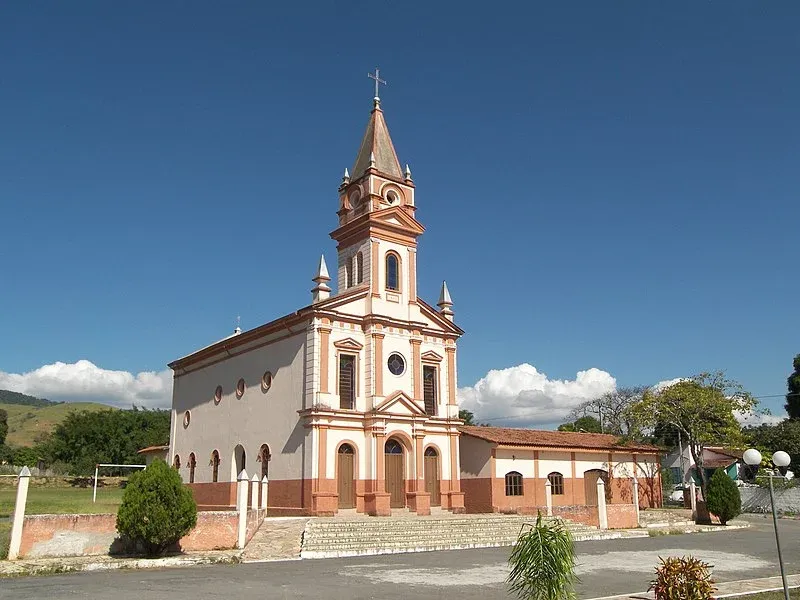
{"x": 378, "y": 80}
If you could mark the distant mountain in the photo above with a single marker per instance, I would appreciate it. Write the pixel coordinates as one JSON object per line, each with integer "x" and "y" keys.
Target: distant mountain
{"x": 9, "y": 397}
{"x": 28, "y": 424}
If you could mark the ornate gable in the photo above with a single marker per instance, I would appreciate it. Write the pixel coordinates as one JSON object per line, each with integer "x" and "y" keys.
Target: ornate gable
{"x": 431, "y": 356}
{"x": 348, "y": 344}
{"x": 399, "y": 403}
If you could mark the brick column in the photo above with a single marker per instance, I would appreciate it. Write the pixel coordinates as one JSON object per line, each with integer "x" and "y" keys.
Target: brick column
{"x": 416, "y": 365}
{"x": 377, "y": 362}
{"x": 324, "y": 359}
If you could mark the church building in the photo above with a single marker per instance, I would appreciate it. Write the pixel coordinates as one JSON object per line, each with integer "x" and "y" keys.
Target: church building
{"x": 349, "y": 402}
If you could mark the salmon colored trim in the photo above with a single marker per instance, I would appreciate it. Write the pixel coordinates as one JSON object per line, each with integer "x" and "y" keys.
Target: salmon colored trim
{"x": 572, "y": 458}
{"x": 349, "y": 344}
{"x": 380, "y": 462}
{"x": 412, "y": 276}
{"x": 420, "y": 472}
{"x": 417, "y": 366}
{"x": 324, "y": 359}
{"x": 322, "y": 468}
{"x": 377, "y": 339}
{"x": 454, "y": 474}
{"x": 375, "y": 278}
{"x": 451, "y": 375}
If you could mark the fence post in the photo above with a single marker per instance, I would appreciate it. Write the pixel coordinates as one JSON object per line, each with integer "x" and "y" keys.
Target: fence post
{"x": 601, "y": 503}
{"x": 19, "y": 513}
{"x": 548, "y": 497}
{"x": 264, "y": 492}
{"x": 636, "y": 500}
{"x": 693, "y": 499}
{"x": 241, "y": 506}
{"x": 254, "y": 492}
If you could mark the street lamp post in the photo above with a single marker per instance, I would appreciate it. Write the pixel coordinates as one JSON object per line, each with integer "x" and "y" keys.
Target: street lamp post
{"x": 780, "y": 460}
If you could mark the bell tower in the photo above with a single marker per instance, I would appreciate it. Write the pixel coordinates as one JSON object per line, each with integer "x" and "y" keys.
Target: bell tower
{"x": 377, "y": 233}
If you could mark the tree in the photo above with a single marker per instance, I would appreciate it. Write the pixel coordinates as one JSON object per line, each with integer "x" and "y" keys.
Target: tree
{"x": 771, "y": 438}
{"x": 587, "y": 424}
{"x": 701, "y": 409}
{"x": 543, "y": 563}
{"x": 157, "y": 510}
{"x": 724, "y": 499}
{"x": 613, "y": 411}
{"x": 3, "y": 426}
{"x": 86, "y": 438}
{"x": 466, "y": 416}
{"x": 793, "y": 385}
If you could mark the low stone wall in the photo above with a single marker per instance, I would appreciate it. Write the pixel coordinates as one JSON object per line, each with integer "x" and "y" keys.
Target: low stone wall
{"x": 93, "y": 535}
{"x": 756, "y": 500}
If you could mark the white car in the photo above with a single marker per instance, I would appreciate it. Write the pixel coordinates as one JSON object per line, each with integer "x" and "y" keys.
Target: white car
{"x": 677, "y": 494}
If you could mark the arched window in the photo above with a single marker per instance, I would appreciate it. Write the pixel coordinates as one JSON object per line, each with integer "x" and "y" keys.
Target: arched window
{"x": 348, "y": 274}
{"x": 346, "y": 449}
{"x": 557, "y": 484}
{"x": 192, "y": 465}
{"x": 392, "y": 272}
{"x": 215, "y": 466}
{"x": 264, "y": 456}
{"x": 177, "y": 462}
{"x": 393, "y": 447}
{"x": 513, "y": 484}
{"x": 360, "y": 267}
{"x": 430, "y": 451}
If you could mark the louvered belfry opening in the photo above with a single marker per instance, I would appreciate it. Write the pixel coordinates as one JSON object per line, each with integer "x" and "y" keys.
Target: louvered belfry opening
{"x": 429, "y": 389}
{"x": 347, "y": 369}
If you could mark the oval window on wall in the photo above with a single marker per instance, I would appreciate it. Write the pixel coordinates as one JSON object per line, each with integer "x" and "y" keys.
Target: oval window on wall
{"x": 266, "y": 381}
{"x": 396, "y": 364}
{"x": 218, "y": 395}
{"x": 240, "y": 388}
{"x": 187, "y": 418}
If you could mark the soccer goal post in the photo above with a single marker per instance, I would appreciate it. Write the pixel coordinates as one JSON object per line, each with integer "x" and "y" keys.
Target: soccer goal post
{"x": 97, "y": 472}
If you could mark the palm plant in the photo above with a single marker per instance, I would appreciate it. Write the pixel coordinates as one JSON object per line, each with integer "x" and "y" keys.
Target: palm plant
{"x": 543, "y": 562}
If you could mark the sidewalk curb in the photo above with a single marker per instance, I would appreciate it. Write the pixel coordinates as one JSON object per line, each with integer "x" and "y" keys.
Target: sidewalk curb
{"x": 24, "y": 568}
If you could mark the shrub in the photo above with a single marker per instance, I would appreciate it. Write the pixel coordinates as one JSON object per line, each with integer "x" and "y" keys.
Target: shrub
{"x": 724, "y": 499}
{"x": 543, "y": 563}
{"x": 157, "y": 510}
{"x": 684, "y": 578}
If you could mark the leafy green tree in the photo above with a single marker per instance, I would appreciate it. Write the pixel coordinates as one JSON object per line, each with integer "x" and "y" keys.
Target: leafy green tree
{"x": 793, "y": 385}
{"x": 724, "y": 499}
{"x": 771, "y": 438}
{"x": 466, "y": 416}
{"x": 613, "y": 411}
{"x": 543, "y": 563}
{"x": 86, "y": 438}
{"x": 587, "y": 424}
{"x": 157, "y": 510}
{"x": 701, "y": 409}
{"x": 3, "y": 426}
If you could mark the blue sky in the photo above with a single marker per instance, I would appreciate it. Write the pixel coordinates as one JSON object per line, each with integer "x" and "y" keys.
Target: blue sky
{"x": 604, "y": 185}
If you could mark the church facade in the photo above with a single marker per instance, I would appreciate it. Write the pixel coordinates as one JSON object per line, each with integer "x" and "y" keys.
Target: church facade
{"x": 350, "y": 402}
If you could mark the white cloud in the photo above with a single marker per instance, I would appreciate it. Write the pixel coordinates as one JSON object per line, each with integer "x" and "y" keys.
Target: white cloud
{"x": 84, "y": 381}
{"x": 521, "y": 396}
{"x": 751, "y": 419}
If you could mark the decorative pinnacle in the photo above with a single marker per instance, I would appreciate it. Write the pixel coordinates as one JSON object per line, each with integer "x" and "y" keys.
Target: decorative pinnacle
{"x": 346, "y": 177}
{"x": 322, "y": 271}
{"x": 445, "y": 303}
{"x": 371, "y": 159}
{"x": 408, "y": 173}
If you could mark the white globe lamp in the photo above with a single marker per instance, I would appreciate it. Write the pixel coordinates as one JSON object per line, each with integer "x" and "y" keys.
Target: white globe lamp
{"x": 753, "y": 457}
{"x": 781, "y": 459}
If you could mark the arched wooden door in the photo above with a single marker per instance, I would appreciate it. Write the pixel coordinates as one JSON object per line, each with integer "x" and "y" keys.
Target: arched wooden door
{"x": 590, "y": 485}
{"x": 345, "y": 485}
{"x": 395, "y": 474}
{"x": 432, "y": 476}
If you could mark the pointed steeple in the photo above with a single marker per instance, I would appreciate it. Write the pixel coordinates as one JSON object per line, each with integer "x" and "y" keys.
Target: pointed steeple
{"x": 377, "y": 150}
{"x": 321, "y": 291}
{"x": 445, "y": 303}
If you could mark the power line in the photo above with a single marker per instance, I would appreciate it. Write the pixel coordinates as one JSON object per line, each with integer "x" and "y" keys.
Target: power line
{"x": 525, "y": 415}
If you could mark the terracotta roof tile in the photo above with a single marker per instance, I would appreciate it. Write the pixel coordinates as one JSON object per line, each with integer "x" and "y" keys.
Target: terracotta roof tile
{"x": 152, "y": 449}
{"x": 553, "y": 439}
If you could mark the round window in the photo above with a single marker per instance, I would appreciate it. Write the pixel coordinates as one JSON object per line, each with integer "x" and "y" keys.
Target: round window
{"x": 240, "y": 388}
{"x": 396, "y": 364}
{"x": 266, "y": 381}
{"x": 391, "y": 197}
{"x": 218, "y": 395}
{"x": 187, "y": 418}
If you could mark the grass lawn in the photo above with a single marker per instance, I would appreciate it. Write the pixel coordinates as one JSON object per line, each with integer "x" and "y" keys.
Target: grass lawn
{"x": 62, "y": 500}
{"x": 5, "y": 537}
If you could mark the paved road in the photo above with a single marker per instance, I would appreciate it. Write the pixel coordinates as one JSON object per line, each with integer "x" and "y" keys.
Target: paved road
{"x": 605, "y": 567}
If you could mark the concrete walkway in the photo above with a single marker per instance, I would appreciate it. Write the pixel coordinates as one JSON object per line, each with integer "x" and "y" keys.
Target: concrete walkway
{"x": 728, "y": 589}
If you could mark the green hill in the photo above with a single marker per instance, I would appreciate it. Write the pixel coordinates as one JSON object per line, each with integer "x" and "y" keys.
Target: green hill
{"x": 28, "y": 424}
{"x": 9, "y": 397}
